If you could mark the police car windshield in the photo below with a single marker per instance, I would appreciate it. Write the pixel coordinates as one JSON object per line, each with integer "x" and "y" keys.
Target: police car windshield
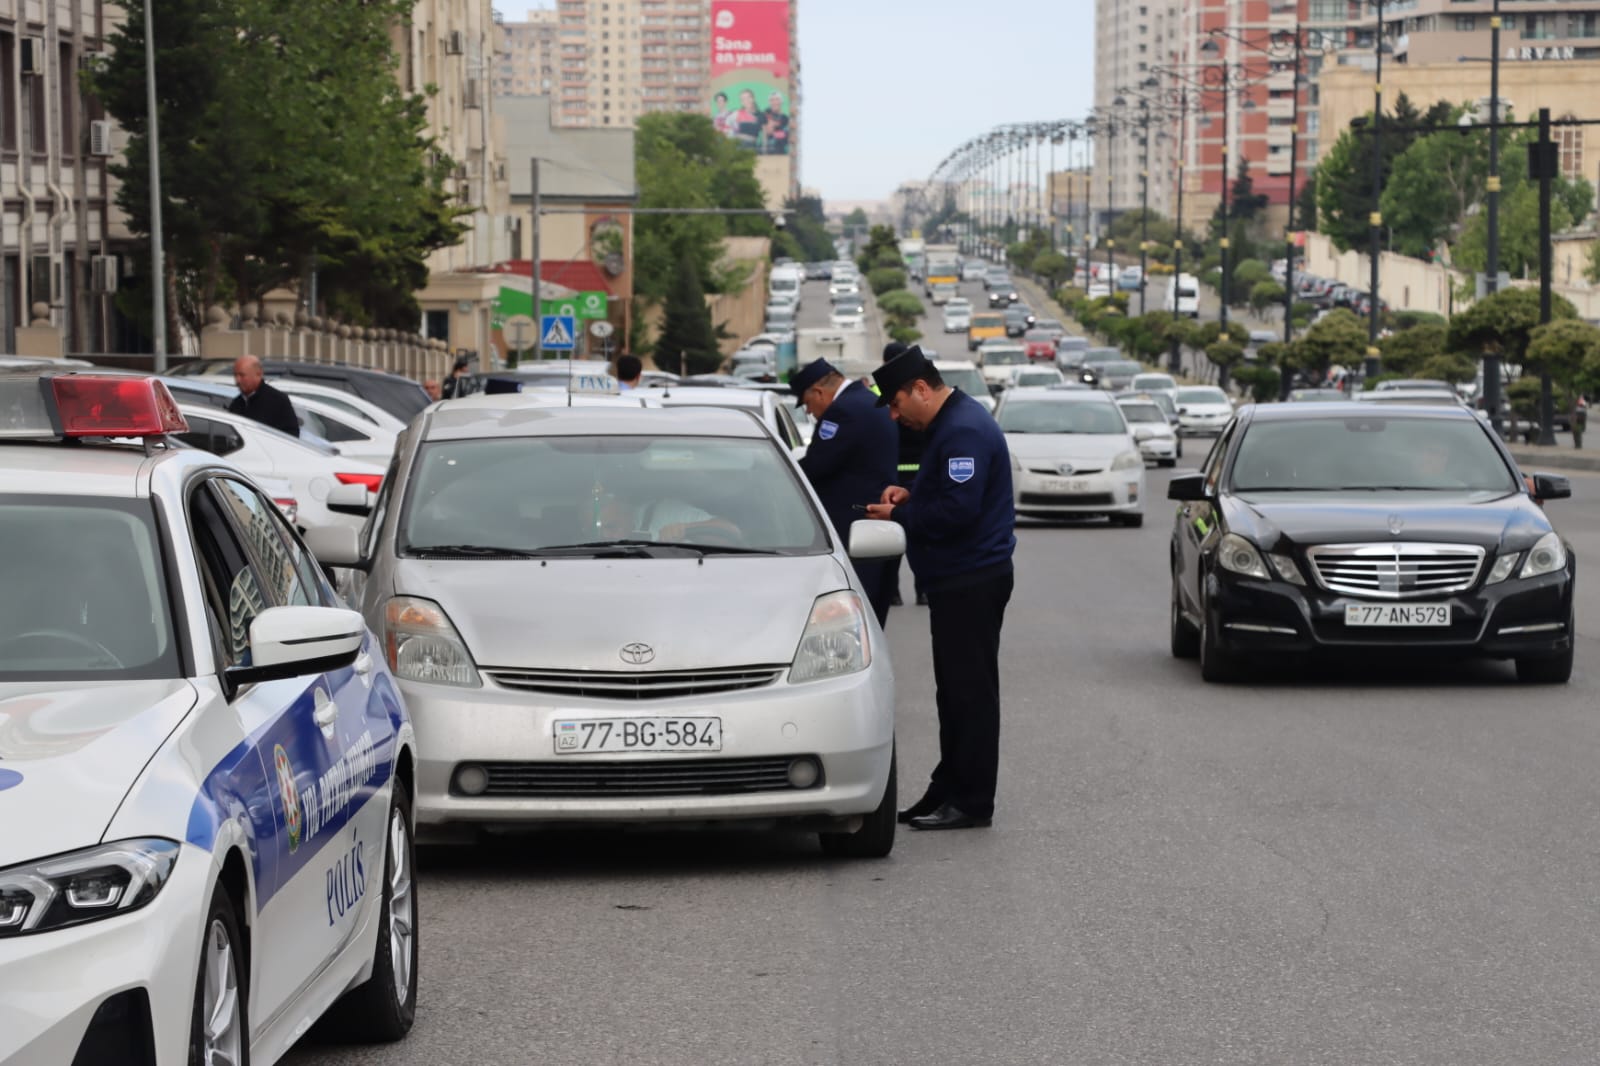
{"x": 1370, "y": 453}
{"x": 85, "y": 591}
{"x": 574, "y": 495}
{"x": 1062, "y": 416}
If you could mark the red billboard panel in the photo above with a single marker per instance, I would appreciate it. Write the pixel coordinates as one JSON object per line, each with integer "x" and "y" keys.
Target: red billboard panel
{"x": 750, "y": 98}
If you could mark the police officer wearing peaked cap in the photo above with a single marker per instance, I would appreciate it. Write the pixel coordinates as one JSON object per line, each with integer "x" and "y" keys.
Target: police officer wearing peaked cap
{"x": 850, "y": 459}
{"x": 959, "y": 520}
{"x": 906, "y": 472}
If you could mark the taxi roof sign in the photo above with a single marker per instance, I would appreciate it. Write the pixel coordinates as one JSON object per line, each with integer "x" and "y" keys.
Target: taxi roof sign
{"x": 53, "y": 406}
{"x": 595, "y": 385}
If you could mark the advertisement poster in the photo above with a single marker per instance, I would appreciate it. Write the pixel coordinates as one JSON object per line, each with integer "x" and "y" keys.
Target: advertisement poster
{"x": 750, "y": 73}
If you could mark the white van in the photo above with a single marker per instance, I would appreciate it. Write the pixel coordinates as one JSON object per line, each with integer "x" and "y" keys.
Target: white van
{"x": 785, "y": 285}
{"x": 1183, "y": 296}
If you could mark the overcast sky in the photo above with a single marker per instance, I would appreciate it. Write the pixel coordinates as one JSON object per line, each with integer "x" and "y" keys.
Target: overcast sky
{"x": 889, "y": 87}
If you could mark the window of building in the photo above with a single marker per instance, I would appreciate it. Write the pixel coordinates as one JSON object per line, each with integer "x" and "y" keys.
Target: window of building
{"x": 1569, "y": 140}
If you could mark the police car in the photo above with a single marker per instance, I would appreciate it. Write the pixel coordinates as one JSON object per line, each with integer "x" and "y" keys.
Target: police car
{"x": 206, "y": 769}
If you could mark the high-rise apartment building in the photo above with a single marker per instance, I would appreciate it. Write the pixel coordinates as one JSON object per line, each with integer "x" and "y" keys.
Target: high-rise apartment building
{"x": 527, "y": 55}
{"x": 620, "y": 59}
{"x": 1131, "y": 38}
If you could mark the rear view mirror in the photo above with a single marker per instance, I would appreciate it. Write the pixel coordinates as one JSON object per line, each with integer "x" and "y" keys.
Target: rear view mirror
{"x": 337, "y": 545}
{"x": 876, "y": 539}
{"x": 1187, "y": 488}
{"x": 1551, "y": 487}
{"x": 290, "y": 642}
{"x": 350, "y": 499}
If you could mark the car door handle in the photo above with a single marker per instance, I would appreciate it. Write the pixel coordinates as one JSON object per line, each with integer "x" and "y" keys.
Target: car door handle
{"x": 326, "y": 715}
{"x": 363, "y": 664}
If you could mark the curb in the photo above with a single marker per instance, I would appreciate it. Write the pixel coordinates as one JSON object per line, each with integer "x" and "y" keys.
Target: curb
{"x": 1556, "y": 459}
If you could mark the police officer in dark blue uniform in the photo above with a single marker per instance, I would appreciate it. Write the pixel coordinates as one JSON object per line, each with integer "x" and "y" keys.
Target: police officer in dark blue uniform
{"x": 959, "y": 520}
{"x": 905, "y": 473}
{"x": 850, "y": 460}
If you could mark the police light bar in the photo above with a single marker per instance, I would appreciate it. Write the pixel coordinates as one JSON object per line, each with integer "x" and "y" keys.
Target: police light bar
{"x": 62, "y": 406}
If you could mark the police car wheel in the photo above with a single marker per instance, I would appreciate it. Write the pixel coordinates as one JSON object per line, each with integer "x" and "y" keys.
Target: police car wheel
{"x": 875, "y": 838}
{"x": 219, "y": 1030}
{"x": 383, "y": 1008}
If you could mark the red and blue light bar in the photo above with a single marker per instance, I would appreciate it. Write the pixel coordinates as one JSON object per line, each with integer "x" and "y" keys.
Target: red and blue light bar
{"x": 65, "y": 406}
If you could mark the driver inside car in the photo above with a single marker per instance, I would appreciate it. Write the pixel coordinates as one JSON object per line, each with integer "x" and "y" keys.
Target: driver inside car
{"x": 659, "y": 519}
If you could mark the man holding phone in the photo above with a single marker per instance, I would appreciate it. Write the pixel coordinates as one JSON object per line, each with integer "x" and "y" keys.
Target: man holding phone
{"x": 850, "y": 460}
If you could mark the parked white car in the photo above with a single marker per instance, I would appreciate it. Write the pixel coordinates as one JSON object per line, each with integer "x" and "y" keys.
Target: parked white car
{"x": 1072, "y": 455}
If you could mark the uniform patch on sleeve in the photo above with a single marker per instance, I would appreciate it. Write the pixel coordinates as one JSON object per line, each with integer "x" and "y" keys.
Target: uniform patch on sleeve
{"x": 961, "y": 470}
{"x": 827, "y": 430}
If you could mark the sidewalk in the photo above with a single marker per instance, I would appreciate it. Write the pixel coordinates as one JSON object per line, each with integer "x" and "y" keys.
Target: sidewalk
{"x": 1533, "y": 457}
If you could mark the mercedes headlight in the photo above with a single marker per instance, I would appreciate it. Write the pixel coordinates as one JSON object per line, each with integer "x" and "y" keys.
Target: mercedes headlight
{"x": 1128, "y": 461}
{"x": 835, "y": 642}
{"x": 84, "y": 886}
{"x": 422, "y": 645}
{"x": 1548, "y": 556}
{"x": 1503, "y": 568}
{"x": 1240, "y": 556}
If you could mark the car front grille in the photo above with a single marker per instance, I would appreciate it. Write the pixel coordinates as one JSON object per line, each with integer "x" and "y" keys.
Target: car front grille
{"x": 1056, "y": 471}
{"x": 620, "y": 685}
{"x": 1399, "y": 571}
{"x": 652, "y": 777}
{"x": 1063, "y": 499}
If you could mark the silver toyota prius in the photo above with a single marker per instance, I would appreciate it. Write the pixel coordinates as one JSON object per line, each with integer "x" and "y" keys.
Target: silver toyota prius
{"x": 625, "y": 615}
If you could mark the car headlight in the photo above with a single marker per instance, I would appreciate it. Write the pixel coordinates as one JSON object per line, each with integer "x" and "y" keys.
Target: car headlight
{"x": 835, "y": 642}
{"x": 1286, "y": 568}
{"x": 422, "y": 645}
{"x": 1127, "y": 461}
{"x": 84, "y": 886}
{"x": 1240, "y": 556}
{"x": 1547, "y": 556}
{"x": 1502, "y": 569}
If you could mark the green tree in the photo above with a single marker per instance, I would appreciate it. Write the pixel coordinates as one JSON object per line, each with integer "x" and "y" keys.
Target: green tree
{"x": 807, "y": 227}
{"x": 1501, "y": 324}
{"x": 1562, "y": 347}
{"x": 1519, "y": 214}
{"x": 882, "y": 249}
{"x": 1263, "y": 381}
{"x": 1145, "y": 336}
{"x": 1265, "y": 294}
{"x": 1343, "y": 179}
{"x": 1448, "y": 366}
{"x": 1224, "y": 355}
{"x": 688, "y": 341}
{"x": 902, "y": 310}
{"x": 886, "y": 279}
{"x": 1340, "y": 337}
{"x": 1054, "y": 268}
{"x": 1405, "y": 352}
{"x": 1434, "y": 183}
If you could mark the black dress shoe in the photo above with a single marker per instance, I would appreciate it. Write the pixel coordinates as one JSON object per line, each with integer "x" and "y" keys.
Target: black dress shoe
{"x": 922, "y": 599}
{"x": 920, "y": 809}
{"x": 894, "y": 599}
{"x": 949, "y": 816}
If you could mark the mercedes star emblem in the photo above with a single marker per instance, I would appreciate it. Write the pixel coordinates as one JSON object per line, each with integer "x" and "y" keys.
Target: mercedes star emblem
{"x": 1396, "y": 524}
{"x": 637, "y": 654}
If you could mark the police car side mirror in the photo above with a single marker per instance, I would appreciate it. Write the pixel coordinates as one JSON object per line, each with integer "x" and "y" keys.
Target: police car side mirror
{"x": 350, "y": 499}
{"x": 290, "y": 642}
{"x": 876, "y": 539}
{"x": 338, "y": 545}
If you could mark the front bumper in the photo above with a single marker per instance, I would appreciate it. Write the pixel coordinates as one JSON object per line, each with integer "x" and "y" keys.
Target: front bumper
{"x": 1517, "y": 617}
{"x": 1105, "y": 492}
{"x": 1201, "y": 425}
{"x": 55, "y": 982}
{"x": 1159, "y": 448}
{"x": 847, "y": 722}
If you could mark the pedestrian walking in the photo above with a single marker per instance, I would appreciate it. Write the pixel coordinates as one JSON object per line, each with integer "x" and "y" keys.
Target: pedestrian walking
{"x": 910, "y": 460}
{"x": 960, "y": 529}
{"x": 259, "y": 401}
{"x": 850, "y": 459}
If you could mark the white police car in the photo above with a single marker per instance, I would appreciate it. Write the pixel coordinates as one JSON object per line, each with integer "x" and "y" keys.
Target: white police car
{"x": 205, "y": 766}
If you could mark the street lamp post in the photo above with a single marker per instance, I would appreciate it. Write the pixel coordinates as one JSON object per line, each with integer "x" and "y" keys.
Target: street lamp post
{"x": 158, "y": 270}
{"x": 1376, "y": 218}
{"x": 1491, "y": 363}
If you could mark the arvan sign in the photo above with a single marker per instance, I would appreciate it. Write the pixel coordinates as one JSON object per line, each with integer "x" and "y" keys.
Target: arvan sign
{"x": 1515, "y": 54}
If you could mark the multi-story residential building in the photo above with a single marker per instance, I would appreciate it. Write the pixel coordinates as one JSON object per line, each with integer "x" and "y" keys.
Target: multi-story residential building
{"x": 63, "y": 244}
{"x": 1131, "y": 38}
{"x": 527, "y": 55}
{"x": 620, "y": 59}
{"x": 1532, "y": 31}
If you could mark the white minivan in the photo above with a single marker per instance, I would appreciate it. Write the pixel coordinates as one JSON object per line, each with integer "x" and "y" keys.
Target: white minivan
{"x": 1183, "y": 296}
{"x": 785, "y": 285}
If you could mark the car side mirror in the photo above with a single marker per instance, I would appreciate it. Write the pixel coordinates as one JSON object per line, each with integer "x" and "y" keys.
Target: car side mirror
{"x": 1183, "y": 410}
{"x": 336, "y": 545}
{"x": 290, "y": 642}
{"x": 350, "y": 499}
{"x": 1552, "y": 487}
{"x": 876, "y": 539}
{"x": 1188, "y": 488}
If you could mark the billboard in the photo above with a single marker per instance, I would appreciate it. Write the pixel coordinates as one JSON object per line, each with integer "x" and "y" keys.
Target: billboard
{"x": 750, "y": 86}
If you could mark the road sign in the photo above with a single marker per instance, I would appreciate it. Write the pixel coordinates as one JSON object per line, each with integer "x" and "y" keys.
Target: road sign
{"x": 557, "y": 333}
{"x": 601, "y": 329}
{"x": 519, "y": 332}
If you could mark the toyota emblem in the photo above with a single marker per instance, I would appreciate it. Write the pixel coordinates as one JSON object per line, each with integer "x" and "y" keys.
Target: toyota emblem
{"x": 1064, "y": 468}
{"x": 1396, "y": 524}
{"x": 637, "y": 654}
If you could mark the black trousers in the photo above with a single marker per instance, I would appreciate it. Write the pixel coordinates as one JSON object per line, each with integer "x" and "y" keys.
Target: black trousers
{"x": 965, "y": 616}
{"x": 875, "y": 575}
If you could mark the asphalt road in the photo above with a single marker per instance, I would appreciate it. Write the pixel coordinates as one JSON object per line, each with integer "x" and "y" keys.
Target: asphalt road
{"x": 1339, "y": 867}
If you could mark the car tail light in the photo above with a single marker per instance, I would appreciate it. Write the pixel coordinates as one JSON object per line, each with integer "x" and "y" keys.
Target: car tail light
{"x": 289, "y": 508}
{"x": 373, "y": 482}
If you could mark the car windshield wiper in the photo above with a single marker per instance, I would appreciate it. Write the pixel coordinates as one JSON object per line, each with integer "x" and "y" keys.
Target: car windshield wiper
{"x": 711, "y": 549}
{"x": 470, "y": 551}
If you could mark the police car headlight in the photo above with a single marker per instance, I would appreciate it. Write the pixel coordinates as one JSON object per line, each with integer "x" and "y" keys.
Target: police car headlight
{"x": 1548, "y": 556}
{"x": 1240, "y": 556}
{"x": 84, "y": 886}
{"x": 1127, "y": 461}
{"x": 835, "y": 642}
{"x": 422, "y": 645}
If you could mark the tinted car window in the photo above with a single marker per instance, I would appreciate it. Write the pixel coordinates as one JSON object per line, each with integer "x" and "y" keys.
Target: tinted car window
{"x": 1202, "y": 396}
{"x": 218, "y": 438}
{"x": 1143, "y": 412}
{"x": 1370, "y": 453}
{"x": 538, "y": 492}
{"x": 290, "y": 576}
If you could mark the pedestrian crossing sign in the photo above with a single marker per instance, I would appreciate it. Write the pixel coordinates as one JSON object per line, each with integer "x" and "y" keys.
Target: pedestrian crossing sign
{"x": 556, "y": 332}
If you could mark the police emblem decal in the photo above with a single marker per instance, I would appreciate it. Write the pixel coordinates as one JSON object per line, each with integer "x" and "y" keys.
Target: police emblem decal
{"x": 9, "y": 779}
{"x": 292, "y": 817}
{"x": 962, "y": 470}
{"x": 827, "y": 430}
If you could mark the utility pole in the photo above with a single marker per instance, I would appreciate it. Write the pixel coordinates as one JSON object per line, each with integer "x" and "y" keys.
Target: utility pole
{"x": 1288, "y": 233}
{"x": 1491, "y": 281}
{"x": 1543, "y": 161}
{"x": 1111, "y": 183}
{"x": 1144, "y": 207}
{"x": 1175, "y": 354}
{"x": 538, "y": 285}
{"x": 1372, "y": 366}
{"x": 158, "y": 267}
{"x": 1223, "y": 243}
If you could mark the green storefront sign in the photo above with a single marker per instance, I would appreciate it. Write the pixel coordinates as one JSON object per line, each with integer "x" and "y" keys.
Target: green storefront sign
{"x": 583, "y": 305}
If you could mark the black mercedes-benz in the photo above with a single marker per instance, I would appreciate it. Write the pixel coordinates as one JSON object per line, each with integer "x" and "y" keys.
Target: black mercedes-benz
{"x": 1334, "y": 527}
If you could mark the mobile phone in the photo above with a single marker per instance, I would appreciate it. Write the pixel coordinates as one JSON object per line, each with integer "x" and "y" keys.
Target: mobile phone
{"x": 859, "y": 506}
